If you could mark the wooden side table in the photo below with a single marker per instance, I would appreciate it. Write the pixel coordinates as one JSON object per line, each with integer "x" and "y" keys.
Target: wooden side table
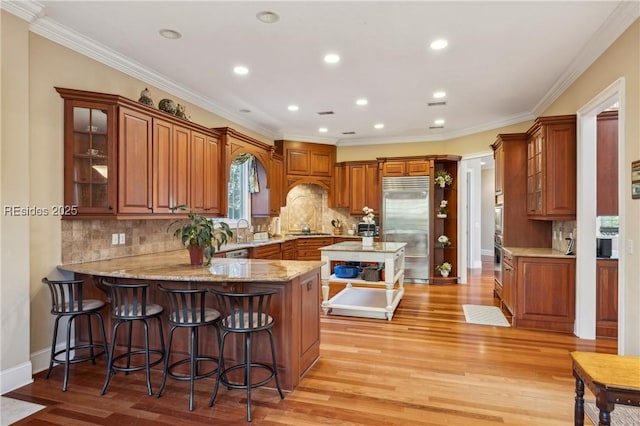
{"x": 613, "y": 379}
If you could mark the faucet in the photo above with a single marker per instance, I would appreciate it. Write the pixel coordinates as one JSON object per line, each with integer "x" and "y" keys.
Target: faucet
{"x": 238, "y": 239}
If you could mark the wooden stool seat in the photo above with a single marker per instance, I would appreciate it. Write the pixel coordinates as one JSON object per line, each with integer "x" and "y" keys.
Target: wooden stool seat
{"x": 613, "y": 379}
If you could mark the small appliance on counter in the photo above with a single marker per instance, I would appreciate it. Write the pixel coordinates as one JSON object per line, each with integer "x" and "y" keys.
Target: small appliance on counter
{"x": 603, "y": 247}
{"x": 365, "y": 229}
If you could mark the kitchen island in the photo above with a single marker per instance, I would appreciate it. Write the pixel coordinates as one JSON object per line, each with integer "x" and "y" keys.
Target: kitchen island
{"x": 295, "y": 308}
{"x": 363, "y": 300}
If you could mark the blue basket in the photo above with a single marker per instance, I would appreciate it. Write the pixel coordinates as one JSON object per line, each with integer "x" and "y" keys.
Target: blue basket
{"x": 346, "y": 271}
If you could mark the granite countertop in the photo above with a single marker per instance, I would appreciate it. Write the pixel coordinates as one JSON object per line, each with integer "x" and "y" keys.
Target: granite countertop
{"x": 174, "y": 266}
{"x": 537, "y": 252}
{"x": 280, "y": 239}
{"x": 357, "y": 246}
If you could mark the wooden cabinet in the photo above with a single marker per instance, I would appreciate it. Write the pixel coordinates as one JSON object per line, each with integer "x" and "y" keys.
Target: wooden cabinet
{"x": 275, "y": 184}
{"x": 405, "y": 166}
{"x": 545, "y": 294}
{"x": 364, "y": 186}
{"x": 90, "y": 148}
{"x": 135, "y": 179}
{"x": 447, "y": 227}
{"x": 268, "y": 251}
{"x": 307, "y": 248}
{"x": 309, "y": 295}
{"x": 135, "y": 161}
{"x": 551, "y": 168}
{"x": 341, "y": 186}
{"x": 607, "y": 163}
{"x": 508, "y": 282}
{"x": 607, "y": 298}
{"x": 510, "y": 154}
{"x": 289, "y": 250}
{"x": 306, "y": 162}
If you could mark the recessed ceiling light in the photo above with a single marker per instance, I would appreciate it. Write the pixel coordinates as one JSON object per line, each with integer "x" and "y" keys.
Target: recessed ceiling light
{"x": 293, "y": 107}
{"x": 331, "y": 58}
{"x": 241, "y": 70}
{"x": 323, "y": 130}
{"x": 440, "y": 94}
{"x": 362, "y": 101}
{"x": 378, "y": 125}
{"x": 268, "y": 17}
{"x": 170, "y": 34}
{"x": 439, "y": 44}
{"x": 438, "y": 122}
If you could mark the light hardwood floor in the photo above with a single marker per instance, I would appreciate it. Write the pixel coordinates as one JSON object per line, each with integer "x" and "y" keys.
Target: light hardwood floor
{"x": 425, "y": 367}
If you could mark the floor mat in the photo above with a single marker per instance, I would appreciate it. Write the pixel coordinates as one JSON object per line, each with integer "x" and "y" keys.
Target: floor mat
{"x": 484, "y": 315}
{"x": 12, "y": 410}
{"x": 622, "y": 415}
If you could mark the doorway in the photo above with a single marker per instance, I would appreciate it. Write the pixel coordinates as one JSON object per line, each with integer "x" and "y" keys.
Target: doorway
{"x": 585, "y": 327}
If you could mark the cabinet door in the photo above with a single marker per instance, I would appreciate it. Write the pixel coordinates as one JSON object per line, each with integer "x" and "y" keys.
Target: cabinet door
{"x": 545, "y": 293}
{"x": 162, "y": 166}
{"x": 341, "y": 185}
{"x": 535, "y": 174}
{"x": 393, "y": 168}
{"x": 508, "y": 286}
{"x": 89, "y": 157}
{"x": 418, "y": 168}
{"x": 607, "y": 298}
{"x": 298, "y": 162}
{"x": 309, "y": 320}
{"x": 134, "y": 162}
{"x": 357, "y": 196}
{"x": 321, "y": 164}
{"x": 372, "y": 185}
{"x": 498, "y": 155}
{"x": 560, "y": 171}
{"x": 276, "y": 178}
{"x": 607, "y": 164}
{"x": 180, "y": 168}
{"x": 203, "y": 181}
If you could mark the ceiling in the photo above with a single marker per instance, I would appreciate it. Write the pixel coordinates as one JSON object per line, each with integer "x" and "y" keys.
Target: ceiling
{"x": 505, "y": 61}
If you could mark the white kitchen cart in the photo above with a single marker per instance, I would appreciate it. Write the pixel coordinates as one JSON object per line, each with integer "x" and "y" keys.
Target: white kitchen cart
{"x": 360, "y": 298}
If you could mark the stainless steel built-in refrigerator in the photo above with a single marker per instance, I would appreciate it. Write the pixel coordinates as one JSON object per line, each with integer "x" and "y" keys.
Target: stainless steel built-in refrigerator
{"x": 405, "y": 218}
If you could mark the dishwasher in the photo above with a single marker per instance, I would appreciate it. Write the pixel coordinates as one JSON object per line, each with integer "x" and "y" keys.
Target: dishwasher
{"x": 238, "y": 254}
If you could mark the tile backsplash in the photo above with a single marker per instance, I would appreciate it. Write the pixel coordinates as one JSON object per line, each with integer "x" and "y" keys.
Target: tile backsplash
{"x": 87, "y": 240}
{"x": 560, "y": 232}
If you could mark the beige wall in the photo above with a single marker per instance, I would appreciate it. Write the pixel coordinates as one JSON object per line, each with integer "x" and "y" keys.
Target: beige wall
{"x": 15, "y": 365}
{"x": 622, "y": 59}
{"x": 32, "y": 160}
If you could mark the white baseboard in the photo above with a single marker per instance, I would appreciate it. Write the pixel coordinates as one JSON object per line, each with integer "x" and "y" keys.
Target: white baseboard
{"x": 15, "y": 377}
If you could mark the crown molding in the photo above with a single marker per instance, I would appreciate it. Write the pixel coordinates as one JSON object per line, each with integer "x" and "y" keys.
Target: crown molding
{"x": 58, "y": 33}
{"x": 620, "y": 19}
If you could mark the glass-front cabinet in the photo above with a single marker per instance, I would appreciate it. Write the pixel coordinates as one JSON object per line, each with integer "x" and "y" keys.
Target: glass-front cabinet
{"x": 89, "y": 163}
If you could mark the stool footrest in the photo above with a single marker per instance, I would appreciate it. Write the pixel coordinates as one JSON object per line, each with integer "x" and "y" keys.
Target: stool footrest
{"x": 187, "y": 377}
{"x": 227, "y": 383}
{"x": 77, "y": 359}
{"x": 154, "y": 352}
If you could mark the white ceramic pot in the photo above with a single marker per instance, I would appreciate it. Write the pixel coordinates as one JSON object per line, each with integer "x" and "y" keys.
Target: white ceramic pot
{"x": 444, "y": 273}
{"x": 367, "y": 241}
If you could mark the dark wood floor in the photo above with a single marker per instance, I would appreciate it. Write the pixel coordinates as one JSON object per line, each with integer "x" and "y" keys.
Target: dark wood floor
{"x": 426, "y": 367}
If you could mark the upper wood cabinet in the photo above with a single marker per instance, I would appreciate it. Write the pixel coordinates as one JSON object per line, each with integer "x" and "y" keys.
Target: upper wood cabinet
{"x": 405, "y": 166}
{"x": 306, "y": 162}
{"x": 90, "y": 148}
{"x": 510, "y": 154}
{"x": 135, "y": 161}
{"x": 268, "y": 201}
{"x": 607, "y": 163}
{"x": 551, "y": 168}
{"x": 364, "y": 186}
{"x": 341, "y": 186}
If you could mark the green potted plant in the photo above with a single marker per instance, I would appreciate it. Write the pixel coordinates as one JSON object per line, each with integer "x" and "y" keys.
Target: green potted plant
{"x": 200, "y": 235}
{"x": 444, "y": 269}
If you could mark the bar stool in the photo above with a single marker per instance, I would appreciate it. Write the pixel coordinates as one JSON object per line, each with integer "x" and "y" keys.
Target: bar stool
{"x": 245, "y": 313}
{"x": 129, "y": 304}
{"x": 187, "y": 310}
{"x": 67, "y": 301}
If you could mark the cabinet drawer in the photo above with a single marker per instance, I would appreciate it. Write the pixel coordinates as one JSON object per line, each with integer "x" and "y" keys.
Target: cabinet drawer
{"x": 289, "y": 245}
{"x": 266, "y": 251}
{"x": 306, "y": 243}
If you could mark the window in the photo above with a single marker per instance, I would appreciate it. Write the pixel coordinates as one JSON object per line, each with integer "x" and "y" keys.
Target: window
{"x": 239, "y": 197}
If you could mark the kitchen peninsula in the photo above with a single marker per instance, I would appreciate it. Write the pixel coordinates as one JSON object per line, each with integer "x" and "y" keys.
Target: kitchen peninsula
{"x": 295, "y": 308}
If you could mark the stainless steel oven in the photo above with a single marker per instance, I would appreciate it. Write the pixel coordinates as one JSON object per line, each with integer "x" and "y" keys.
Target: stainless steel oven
{"x": 499, "y": 212}
{"x": 497, "y": 258}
